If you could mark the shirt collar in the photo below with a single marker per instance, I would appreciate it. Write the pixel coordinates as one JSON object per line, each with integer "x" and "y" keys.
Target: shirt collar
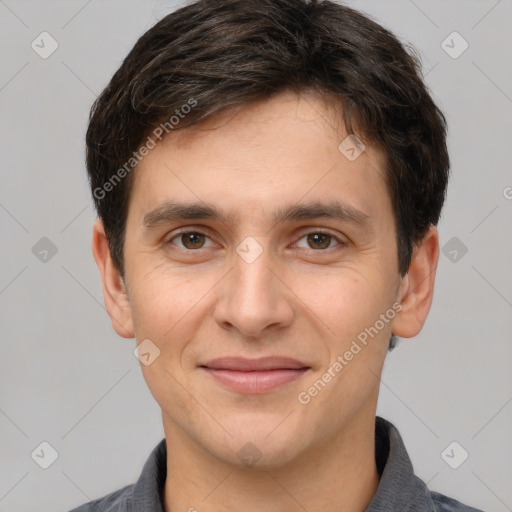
{"x": 399, "y": 488}
{"x": 148, "y": 491}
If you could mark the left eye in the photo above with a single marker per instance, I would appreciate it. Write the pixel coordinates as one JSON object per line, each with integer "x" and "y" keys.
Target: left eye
{"x": 319, "y": 240}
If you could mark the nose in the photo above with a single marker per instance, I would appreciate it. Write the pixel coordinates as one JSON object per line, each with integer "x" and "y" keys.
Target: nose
{"x": 253, "y": 299}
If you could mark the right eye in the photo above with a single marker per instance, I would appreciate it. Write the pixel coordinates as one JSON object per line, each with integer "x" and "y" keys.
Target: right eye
{"x": 189, "y": 240}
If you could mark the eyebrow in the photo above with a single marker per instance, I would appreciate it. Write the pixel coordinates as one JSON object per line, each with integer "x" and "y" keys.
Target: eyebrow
{"x": 176, "y": 211}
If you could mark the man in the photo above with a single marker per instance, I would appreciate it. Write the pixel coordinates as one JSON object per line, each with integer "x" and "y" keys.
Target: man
{"x": 268, "y": 175}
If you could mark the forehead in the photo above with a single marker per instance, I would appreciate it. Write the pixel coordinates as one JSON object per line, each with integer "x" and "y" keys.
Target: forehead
{"x": 260, "y": 156}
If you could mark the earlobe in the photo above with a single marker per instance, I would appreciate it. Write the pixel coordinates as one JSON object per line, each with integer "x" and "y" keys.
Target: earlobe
{"x": 416, "y": 290}
{"x": 114, "y": 289}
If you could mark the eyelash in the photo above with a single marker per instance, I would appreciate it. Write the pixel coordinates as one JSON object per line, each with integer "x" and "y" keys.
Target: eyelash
{"x": 340, "y": 243}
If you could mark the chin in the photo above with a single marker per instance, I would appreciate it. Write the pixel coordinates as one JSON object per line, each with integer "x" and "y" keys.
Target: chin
{"x": 257, "y": 457}
{"x": 258, "y": 448}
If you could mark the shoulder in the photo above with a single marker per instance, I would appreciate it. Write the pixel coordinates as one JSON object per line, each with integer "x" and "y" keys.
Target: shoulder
{"x": 144, "y": 494}
{"x": 445, "y": 504}
{"x": 114, "y": 502}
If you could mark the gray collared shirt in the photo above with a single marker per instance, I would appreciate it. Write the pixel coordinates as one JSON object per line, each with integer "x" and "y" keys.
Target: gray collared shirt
{"x": 400, "y": 490}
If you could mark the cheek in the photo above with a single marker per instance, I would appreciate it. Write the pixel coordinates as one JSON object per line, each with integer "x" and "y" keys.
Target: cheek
{"x": 346, "y": 300}
{"x": 161, "y": 300}
{"x": 165, "y": 308}
{"x": 350, "y": 309}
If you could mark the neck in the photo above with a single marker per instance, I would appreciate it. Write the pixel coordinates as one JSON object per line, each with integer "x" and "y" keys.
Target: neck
{"x": 338, "y": 474}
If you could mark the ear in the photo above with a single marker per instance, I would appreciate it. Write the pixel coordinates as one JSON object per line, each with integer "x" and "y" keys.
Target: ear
{"x": 417, "y": 287}
{"x": 114, "y": 290}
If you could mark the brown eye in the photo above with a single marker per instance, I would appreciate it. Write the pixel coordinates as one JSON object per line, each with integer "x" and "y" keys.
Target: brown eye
{"x": 190, "y": 240}
{"x": 317, "y": 240}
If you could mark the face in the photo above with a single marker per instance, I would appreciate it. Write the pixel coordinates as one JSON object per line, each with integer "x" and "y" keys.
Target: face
{"x": 261, "y": 263}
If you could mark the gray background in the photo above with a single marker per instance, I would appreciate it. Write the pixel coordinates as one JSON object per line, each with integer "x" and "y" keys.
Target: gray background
{"x": 65, "y": 376}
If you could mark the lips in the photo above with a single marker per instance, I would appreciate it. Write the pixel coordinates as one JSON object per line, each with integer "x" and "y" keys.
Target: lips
{"x": 254, "y": 376}
{"x": 261, "y": 364}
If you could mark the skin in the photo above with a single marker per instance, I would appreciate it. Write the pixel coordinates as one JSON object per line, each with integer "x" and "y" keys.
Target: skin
{"x": 299, "y": 299}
